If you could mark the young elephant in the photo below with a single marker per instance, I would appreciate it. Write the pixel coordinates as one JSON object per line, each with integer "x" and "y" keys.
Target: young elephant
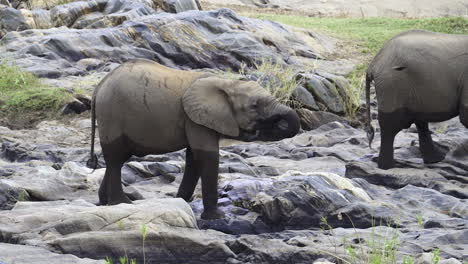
{"x": 419, "y": 77}
{"x": 145, "y": 108}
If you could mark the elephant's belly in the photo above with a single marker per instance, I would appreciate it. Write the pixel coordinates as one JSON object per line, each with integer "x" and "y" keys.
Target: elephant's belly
{"x": 156, "y": 135}
{"x": 434, "y": 116}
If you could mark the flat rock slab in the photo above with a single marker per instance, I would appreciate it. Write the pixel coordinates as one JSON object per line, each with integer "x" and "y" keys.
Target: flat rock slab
{"x": 11, "y": 253}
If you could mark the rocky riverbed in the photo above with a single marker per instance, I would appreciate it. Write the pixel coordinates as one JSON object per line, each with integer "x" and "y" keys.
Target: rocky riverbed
{"x": 275, "y": 195}
{"x": 314, "y": 198}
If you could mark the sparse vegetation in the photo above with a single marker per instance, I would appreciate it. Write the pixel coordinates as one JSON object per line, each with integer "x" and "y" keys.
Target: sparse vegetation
{"x": 22, "y": 94}
{"x": 280, "y": 80}
{"x": 356, "y": 90}
{"x": 379, "y": 248}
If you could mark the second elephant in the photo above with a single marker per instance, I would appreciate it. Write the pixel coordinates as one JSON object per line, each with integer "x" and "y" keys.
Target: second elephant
{"x": 144, "y": 108}
{"x": 419, "y": 77}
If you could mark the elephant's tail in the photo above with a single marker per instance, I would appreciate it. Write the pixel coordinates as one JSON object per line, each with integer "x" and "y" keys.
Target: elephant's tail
{"x": 93, "y": 161}
{"x": 369, "y": 128}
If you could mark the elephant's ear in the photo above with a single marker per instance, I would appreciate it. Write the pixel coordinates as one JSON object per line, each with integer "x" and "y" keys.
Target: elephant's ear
{"x": 207, "y": 104}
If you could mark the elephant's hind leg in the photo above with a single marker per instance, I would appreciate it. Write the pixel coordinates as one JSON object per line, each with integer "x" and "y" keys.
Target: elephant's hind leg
{"x": 463, "y": 107}
{"x": 430, "y": 153}
{"x": 390, "y": 125}
{"x": 111, "y": 191}
{"x": 190, "y": 178}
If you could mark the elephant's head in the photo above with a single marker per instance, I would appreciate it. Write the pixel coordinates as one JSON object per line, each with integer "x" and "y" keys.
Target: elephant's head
{"x": 239, "y": 109}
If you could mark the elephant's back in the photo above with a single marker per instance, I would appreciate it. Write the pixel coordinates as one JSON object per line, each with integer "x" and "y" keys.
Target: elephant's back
{"x": 414, "y": 71}
{"x": 141, "y": 100}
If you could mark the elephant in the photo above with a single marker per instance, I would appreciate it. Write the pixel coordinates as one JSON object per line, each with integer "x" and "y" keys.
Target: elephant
{"x": 143, "y": 107}
{"x": 419, "y": 77}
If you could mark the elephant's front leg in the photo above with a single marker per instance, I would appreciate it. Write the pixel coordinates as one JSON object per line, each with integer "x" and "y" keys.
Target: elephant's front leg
{"x": 204, "y": 144}
{"x": 190, "y": 178}
{"x": 430, "y": 153}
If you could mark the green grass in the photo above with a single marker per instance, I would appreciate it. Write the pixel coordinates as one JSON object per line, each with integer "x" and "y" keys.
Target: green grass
{"x": 378, "y": 247}
{"x": 372, "y": 32}
{"x": 21, "y": 93}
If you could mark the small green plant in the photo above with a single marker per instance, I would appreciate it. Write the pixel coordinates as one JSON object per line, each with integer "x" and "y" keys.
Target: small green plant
{"x": 420, "y": 219}
{"x": 408, "y": 260}
{"x": 23, "y": 196}
{"x": 108, "y": 260}
{"x": 435, "y": 256}
{"x": 144, "y": 233}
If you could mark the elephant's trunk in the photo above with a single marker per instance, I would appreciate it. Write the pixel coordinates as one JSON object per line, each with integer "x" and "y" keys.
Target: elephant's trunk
{"x": 284, "y": 123}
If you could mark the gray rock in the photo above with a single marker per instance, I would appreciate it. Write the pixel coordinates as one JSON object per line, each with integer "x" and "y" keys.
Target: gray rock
{"x": 84, "y": 230}
{"x": 77, "y": 106}
{"x": 313, "y": 119}
{"x": 303, "y": 96}
{"x": 177, "y": 6}
{"x": 324, "y": 92}
{"x": 5, "y": 3}
{"x": 35, "y": 255}
{"x": 18, "y": 20}
{"x": 227, "y": 41}
{"x": 398, "y": 178}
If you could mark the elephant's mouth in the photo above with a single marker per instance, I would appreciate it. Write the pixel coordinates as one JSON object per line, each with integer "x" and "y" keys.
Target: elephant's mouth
{"x": 274, "y": 128}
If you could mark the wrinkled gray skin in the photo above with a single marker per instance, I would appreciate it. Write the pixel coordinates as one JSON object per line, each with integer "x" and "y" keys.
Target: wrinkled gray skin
{"x": 145, "y": 108}
{"x": 419, "y": 77}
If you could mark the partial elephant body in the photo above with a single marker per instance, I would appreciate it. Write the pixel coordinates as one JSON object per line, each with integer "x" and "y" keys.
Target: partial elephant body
{"x": 419, "y": 77}
{"x": 143, "y": 105}
{"x": 145, "y": 108}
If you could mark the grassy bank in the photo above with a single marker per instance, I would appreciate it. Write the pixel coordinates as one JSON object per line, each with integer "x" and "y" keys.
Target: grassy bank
{"x": 371, "y": 33}
{"x": 23, "y": 97}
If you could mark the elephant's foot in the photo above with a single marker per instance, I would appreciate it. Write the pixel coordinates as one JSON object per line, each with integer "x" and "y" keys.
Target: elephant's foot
{"x": 119, "y": 199}
{"x": 434, "y": 157}
{"x": 210, "y": 214}
{"x": 385, "y": 164}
